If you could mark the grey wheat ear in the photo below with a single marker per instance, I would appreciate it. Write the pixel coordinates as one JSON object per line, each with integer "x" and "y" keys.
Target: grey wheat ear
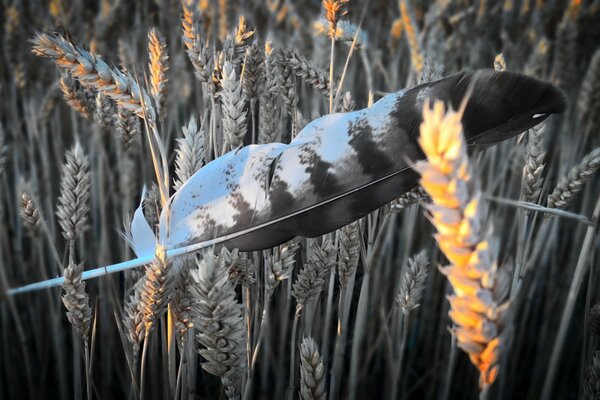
{"x": 30, "y": 214}
{"x": 182, "y": 300}
{"x": 233, "y": 103}
{"x": 312, "y": 371}
{"x": 279, "y": 266}
{"x": 594, "y": 319}
{"x": 409, "y": 198}
{"x": 253, "y": 72}
{"x": 591, "y": 382}
{"x": 74, "y": 96}
{"x": 534, "y": 164}
{"x": 317, "y": 77}
{"x": 588, "y": 102}
{"x": 128, "y": 127}
{"x": 219, "y": 323}
{"x": 190, "y": 153}
{"x": 104, "y": 112}
{"x": 73, "y": 204}
{"x": 348, "y": 253}
{"x": 311, "y": 278}
{"x": 132, "y": 319}
{"x": 76, "y": 300}
{"x": 573, "y": 183}
{"x": 413, "y": 282}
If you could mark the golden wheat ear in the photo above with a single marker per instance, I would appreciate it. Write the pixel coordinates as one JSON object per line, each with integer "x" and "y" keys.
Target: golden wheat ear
{"x": 338, "y": 169}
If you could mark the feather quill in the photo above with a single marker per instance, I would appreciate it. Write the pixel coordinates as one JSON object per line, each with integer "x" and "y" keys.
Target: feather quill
{"x": 337, "y": 170}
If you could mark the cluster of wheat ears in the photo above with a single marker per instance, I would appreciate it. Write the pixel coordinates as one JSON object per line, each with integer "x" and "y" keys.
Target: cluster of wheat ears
{"x": 357, "y": 313}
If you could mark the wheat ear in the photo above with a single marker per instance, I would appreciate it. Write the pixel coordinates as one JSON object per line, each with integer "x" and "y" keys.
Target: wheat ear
{"x": 158, "y": 66}
{"x": 190, "y": 154}
{"x": 477, "y": 305}
{"x": 312, "y": 371}
{"x": 76, "y": 300}
{"x": 73, "y": 205}
{"x": 570, "y": 185}
{"x": 219, "y": 323}
{"x": 93, "y": 73}
{"x": 413, "y": 282}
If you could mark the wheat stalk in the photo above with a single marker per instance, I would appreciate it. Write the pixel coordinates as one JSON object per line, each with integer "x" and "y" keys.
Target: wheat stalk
{"x": 477, "y": 306}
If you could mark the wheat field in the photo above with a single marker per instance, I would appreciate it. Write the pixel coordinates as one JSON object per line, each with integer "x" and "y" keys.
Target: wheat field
{"x": 480, "y": 282}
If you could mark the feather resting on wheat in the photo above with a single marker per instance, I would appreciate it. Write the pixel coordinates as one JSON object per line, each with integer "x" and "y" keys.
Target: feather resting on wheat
{"x": 338, "y": 169}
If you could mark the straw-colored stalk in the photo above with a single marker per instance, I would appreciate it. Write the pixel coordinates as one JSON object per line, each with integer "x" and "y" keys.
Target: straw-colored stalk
{"x": 477, "y": 306}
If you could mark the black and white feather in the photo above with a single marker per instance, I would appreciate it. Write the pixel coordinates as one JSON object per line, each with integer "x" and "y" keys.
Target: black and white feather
{"x": 339, "y": 168}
